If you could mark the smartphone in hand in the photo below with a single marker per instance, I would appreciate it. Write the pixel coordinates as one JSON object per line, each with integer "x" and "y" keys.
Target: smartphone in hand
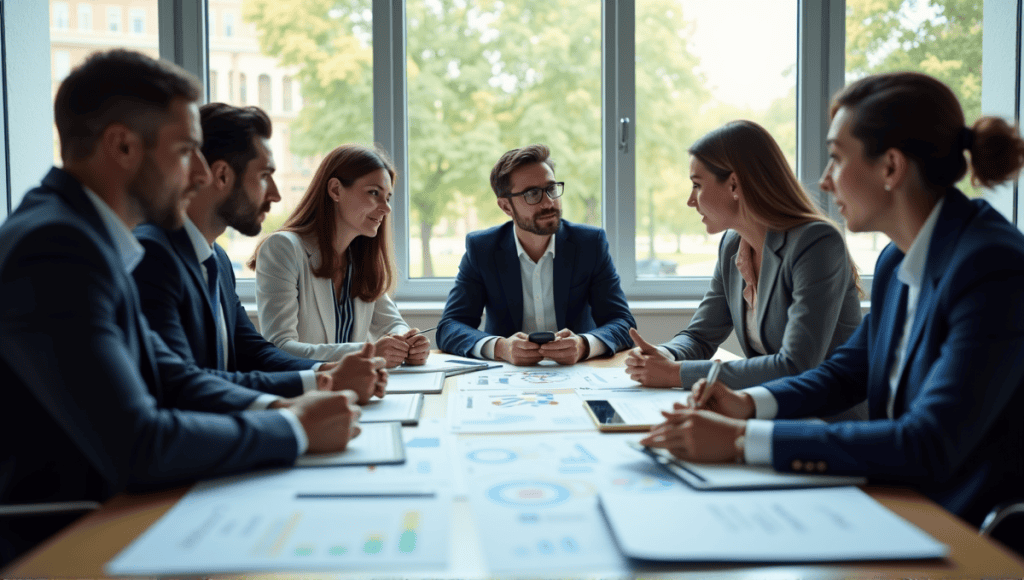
{"x": 541, "y": 337}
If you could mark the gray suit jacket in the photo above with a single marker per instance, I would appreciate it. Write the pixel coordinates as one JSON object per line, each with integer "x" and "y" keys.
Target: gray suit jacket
{"x": 807, "y": 305}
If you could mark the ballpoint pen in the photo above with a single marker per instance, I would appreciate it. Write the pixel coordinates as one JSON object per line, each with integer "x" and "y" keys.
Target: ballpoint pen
{"x": 425, "y": 331}
{"x": 716, "y": 367}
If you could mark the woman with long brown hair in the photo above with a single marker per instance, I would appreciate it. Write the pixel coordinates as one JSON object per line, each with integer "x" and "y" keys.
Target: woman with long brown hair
{"x": 784, "y": 280}
{"x": 937, "y": 358}
{"x": 322, "y": 280}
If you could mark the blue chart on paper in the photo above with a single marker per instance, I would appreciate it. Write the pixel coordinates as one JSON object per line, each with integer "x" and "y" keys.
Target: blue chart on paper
{"x": 531, "y": 494}
{"x": 492, "y": 456}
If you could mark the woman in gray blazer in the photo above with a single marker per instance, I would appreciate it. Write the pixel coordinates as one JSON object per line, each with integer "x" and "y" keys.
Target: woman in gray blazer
{"x": 784, "y": 280}
{"x": 322, "y": 279}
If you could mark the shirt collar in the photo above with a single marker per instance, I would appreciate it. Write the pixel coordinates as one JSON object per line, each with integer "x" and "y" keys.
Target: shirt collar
{"x": 521, "y": 252}
{"x": 128, "y": 248}
{"x": 202, "y": 248}
{"x": 912, "y": 269}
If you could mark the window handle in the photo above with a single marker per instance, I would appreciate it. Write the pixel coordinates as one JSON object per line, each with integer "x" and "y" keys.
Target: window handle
{"x": 624, "y": 134}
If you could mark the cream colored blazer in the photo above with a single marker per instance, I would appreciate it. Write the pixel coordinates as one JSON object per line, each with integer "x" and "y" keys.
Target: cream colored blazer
{"x": 296, "y": 309}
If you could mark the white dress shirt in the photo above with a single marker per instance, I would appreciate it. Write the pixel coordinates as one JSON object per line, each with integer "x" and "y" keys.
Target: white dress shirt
{"x": 758, "y": 440}
{"x": 203, "y": 251}
{"x": 538, "y": 300}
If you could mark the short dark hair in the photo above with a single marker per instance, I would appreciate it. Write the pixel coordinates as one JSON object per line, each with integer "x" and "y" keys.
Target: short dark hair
{"x": 229, "y": 133}
{"x": 501, "y": 181}
{"x": 117, "y": 86}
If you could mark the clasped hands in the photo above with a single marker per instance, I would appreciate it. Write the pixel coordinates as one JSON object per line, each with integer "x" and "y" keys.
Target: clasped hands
{"x": 708, "y": 427}
{"x": 567, "y": 348}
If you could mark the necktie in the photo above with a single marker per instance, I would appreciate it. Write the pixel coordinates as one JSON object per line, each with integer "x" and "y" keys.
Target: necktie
{"x": 214, "y": 290}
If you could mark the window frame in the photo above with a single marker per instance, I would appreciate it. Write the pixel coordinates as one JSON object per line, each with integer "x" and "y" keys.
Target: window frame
{"x": 821, "y": 32}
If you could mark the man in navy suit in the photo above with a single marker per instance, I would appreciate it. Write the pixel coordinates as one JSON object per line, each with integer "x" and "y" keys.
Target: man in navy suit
{"x": 536, "y": 273}
{"x": 96, "y": 402}
{"x": 186, "y": 281}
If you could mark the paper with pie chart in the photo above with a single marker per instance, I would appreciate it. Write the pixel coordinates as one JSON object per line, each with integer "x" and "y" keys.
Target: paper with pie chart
{"x": 517, "y": 411}
{"x": 534, "y": 498}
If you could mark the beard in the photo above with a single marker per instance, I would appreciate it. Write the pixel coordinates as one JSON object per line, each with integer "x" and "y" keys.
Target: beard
{"x": 239, "y": 212}
{"x": 157, "y": 201}
{"x": 531, "y": 225}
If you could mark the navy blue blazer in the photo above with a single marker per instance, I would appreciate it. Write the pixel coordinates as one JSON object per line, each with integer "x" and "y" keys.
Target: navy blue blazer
{"x": 96, "y": 402}
{"x": 588, "y": 297}
{"x": 958, "y": 427}
{"x": 177, "y": 305}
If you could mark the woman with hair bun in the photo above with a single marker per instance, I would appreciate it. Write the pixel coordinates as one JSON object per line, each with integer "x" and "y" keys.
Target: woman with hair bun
{"x": 784, "y": 279}
{"x": 938, "y": 357}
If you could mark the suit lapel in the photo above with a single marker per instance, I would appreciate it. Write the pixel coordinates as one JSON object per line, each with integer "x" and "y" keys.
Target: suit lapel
{"x": 890, "y": 330}
{"x": 322, "y": 291}
{"x": 940, "y": 251}
{"x": 183, "y": 247}
{"x": 72, "y": 193}
{"x": 507, "y": 261}
{"x": 771, "y": 266}
{"x": 563, "y": 266}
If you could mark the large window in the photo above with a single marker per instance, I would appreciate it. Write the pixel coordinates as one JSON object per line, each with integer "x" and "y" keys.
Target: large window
{"x": 329, "y": 56}
{"x": 693, "y": 74}
{"x": 69, "y": 47}
{"x": 618, "y": 88}
{"x": 936, "y": 37}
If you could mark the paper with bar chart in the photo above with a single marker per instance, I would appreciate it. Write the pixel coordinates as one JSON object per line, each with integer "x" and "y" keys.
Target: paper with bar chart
{"x": 214, "y": 531}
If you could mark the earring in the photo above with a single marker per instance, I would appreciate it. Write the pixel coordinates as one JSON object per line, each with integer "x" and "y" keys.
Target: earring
{"x": 736, "y": 197}
{"x": 888, "y": 187}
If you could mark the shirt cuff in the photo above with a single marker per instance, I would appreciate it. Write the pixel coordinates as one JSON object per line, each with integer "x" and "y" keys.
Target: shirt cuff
{"x": 484, "y": 348}
{"x": 317, "y": 366}
{"x": 765, "y": 405}
{"x": 757, "y": 442}
{"x": 262, "y": 402}
{"x": 308, "y": 380}
{"x": 665, "y": 351}
{"x": 597, "y": 348}
{"x": 300, "y": 434}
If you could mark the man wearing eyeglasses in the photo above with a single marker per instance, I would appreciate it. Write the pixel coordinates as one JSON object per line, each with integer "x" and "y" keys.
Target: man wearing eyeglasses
{"x": 535, "y": 273}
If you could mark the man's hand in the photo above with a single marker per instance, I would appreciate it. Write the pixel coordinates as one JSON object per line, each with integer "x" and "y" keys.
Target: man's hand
{"x": 649, "y": 366}
{"x": 720, "y": 399}
{"x": 698, "y": 435}
{"x": 567, "y": 348}
{"x": 361, "y": 372}
{"x": 393, "y": 348}
{"x": 518, "y": 350}
{"x": 330, "y": 419}
{"x": 419, "y": 347}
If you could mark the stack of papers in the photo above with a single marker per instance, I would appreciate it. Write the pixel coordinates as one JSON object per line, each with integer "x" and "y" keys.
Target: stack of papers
{"x": 445, "y": 363}
{"x": 806, "y": 525}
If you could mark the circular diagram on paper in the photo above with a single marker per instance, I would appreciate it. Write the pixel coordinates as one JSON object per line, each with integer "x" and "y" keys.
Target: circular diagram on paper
{"x": 528, "y": 494}
{"x": 492, "y": 456}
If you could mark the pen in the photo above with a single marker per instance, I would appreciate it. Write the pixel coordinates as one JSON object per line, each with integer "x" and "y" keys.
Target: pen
{"x": 361, "y": 495}
{"x": 716, "y": 367}
{"x": 425, "y": 331}
{"x": 466, "y": 362}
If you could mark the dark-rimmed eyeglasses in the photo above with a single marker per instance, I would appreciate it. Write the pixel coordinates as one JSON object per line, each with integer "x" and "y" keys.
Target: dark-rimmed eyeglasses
{"x": 533, "y": 195}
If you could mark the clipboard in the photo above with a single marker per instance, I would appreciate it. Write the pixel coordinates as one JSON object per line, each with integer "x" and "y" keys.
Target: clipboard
{"x": 378, "y": 444}
{"x": 740, "y": 477}
{"x": 432, "y": 383}
{"x": 404, "y": 408}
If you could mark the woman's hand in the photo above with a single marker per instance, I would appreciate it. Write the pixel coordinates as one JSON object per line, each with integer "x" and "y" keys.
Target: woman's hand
{"x": 719, "y": 398}
{"x": 418, "y": 345}
{"x": 649, "y": 366}
{"x": 698, "y": 435}
{"x": 393, "y": 349}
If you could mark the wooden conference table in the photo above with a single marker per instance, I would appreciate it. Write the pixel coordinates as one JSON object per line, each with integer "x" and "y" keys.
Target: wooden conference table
{"x": 82, "y": 549}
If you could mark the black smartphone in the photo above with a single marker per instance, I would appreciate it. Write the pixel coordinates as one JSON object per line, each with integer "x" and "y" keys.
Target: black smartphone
{"x": 541, "y": 337}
